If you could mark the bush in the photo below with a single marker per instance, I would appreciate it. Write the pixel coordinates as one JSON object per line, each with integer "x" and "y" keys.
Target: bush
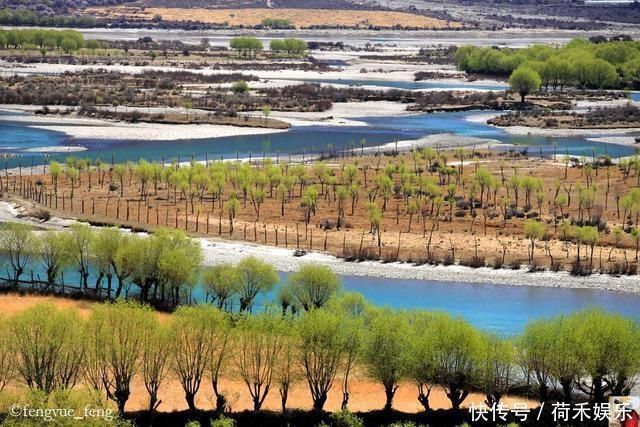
{"x": 344, "y": 418}
{"x": 223, "y": 422}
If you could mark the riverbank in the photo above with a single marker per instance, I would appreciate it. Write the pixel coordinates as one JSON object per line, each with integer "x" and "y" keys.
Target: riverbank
{"x": 87, "y": 128}
{"x": 218, "y": 250}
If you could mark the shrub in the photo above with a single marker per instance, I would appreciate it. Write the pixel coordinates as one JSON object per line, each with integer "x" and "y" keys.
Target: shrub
{"x": 223, "y": 422}
{"x": 344, "y": 418}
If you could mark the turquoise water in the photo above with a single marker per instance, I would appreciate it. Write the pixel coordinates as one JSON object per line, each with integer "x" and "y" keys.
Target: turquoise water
{"x": 496, "y": 308}
{"x": 635, "y": 96}
{"x": 16, "y": 138}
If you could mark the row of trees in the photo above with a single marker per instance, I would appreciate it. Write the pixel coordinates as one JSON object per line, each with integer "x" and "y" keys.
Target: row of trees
{"x": 579, "y": 63}
{"x": 10, "y": 16}
{"x": 164, "y": 268}
{"x": 66, "y": 40}
{"x": 586, "y": 356}
{"x": 250, "y": 46}
{"x": 430, "y": 192}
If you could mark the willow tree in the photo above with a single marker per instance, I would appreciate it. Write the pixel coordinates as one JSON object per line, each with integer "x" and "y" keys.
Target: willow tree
{"x": 222, "y": 281}
{"x": 456, "y": 345}
{"x": 497, "y": 358}
{"x": 255, "y": 277}
{"x": 156, "y": 353}
{"x": 179, "y": 259}
{"x": 17, "y": 242}
{"x": 313, "y": 285}
{"x": 46, "y": 353}
{"x": 198, "y": 333}
{"x": 120, "y": 330}
{"x": 534, "y": 356}
{"x": 386, "y": 350}
{"x": 80, "y": 242}
{"x": 259, "y": 342}
{"x": 7, "y": 367}
{"x": 608, "y": 352}
{"x": 322, "y": 349}
{"x": 53, "y": 254}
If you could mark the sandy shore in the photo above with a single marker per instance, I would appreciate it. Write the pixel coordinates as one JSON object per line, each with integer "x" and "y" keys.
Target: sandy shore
{"x": 536, "y": 131}
{"x": 218, "y": 250}
{"x": 84, "y": 128}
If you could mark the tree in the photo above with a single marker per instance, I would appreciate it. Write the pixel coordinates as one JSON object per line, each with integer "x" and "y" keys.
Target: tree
{"x": 80, "y": 242}
{"x": 287, "y": 369}
{"x": 565, "y": 365}
{"x": 524, "y": 81}
{"x": 534, "y": 355}
{"x": 322, "y": 349}
{"x": 17, "y": 242}
{"x": 601, "y": 74}
{"x": 255, "y": 277}
{"x": 47, "y": 355}
{"x": 240, "y": 86}
{"x": 608, "y": 354}
{"x": 52, "y": 250}
{"x": 259, "y": 340}
{"x": 223, "y": 281}
{"x": 156, "y": 353}
{"x": 179, "y": 259}
{"x": 313, "y": 285}
{"x": 7, "y": 366}
{"x": 456, "y": 348}
{"x": 386, "y": 350}
{"x": 119, "y": 330}
{"x": 496, "y": 360}
{"x": 534, "y": 230}
{"x": 197, "y": 333}
{"x": 55, "y": 169}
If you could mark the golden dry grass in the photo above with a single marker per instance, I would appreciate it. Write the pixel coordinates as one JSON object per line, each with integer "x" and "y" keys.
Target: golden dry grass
{"x": 301, "y": 18}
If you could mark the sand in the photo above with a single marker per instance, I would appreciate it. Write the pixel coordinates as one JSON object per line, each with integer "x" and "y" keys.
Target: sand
{"x": 83, "y": 128}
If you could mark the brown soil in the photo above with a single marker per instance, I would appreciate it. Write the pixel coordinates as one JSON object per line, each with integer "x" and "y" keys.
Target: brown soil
{"x": 460, "y": 235}
{"x": 301, "y": 18}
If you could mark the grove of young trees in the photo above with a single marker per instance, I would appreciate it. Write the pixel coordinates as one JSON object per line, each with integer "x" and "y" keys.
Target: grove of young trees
{"x": 580, "y": 63}
{"x": 586, "y": 214}
{"x": 65, "y": 40}
{"x": 583, "y": 357}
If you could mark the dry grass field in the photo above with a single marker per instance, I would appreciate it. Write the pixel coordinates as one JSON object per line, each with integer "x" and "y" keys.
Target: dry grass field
{"x": 300, "y": 18}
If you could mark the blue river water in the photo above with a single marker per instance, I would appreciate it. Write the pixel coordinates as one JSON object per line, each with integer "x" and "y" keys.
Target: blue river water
{"x": 21, "y": 140}
{"x": 500, "y": 309}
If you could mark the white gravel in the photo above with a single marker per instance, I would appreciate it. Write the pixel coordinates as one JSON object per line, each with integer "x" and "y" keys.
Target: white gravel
{"x": 218, "y": 251}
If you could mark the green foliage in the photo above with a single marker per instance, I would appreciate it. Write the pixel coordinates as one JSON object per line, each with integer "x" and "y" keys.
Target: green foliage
{"x": 290, "y": 46}
{"x": 246, "y": 45}
{"x": 345, "y": 418}
{"x": 313, "y": 285}
{"x": 255, "y": 277}
{"x": 276, "y": 23}
{"x": 223, "y": 422}
{"x": 66, "y": 40}
{"x": 581, "y": 63}
{"x": 240, "y": 87}
{"x": 386, "y": 350}
{"x": 524, "y": 81}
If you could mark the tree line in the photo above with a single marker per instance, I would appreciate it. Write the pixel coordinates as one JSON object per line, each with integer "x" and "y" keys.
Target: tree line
{"x": 251, "y": 46}
{"x": 580, "y": 63}
{"x": 583, "y": 357}
{"x": 66, "y": 40}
